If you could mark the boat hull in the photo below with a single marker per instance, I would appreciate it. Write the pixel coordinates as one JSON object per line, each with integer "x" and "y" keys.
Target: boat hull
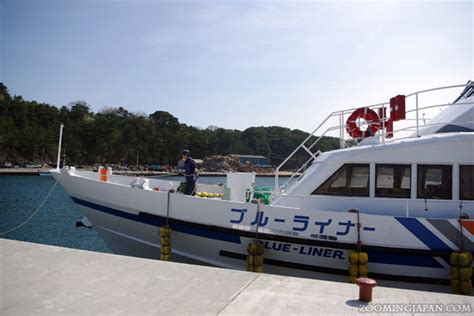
{"x": 217, "y": 233}
{"x": 137, "y": 235}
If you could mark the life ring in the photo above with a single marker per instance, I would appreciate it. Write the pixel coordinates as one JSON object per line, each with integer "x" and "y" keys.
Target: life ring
{"x": 373, "y": 122}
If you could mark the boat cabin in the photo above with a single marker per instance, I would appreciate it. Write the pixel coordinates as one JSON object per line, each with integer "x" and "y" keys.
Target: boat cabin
{"x": 429, "y": 173}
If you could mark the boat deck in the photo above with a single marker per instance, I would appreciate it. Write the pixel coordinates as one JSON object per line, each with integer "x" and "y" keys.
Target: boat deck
{"x": 45, "y": 280}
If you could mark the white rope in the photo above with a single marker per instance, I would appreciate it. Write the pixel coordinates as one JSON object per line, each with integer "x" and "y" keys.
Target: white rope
{"x": 34, "y": 212}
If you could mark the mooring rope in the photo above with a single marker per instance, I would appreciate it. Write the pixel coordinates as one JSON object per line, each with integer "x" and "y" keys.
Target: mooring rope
{"x": 34, "y": 212}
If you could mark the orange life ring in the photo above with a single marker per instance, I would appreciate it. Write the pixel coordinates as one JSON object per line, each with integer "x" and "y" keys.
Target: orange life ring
{"x": 373, "y": 122}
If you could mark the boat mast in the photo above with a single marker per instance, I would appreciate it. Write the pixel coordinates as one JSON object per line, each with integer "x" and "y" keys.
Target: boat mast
{"x": 59, "y": 145}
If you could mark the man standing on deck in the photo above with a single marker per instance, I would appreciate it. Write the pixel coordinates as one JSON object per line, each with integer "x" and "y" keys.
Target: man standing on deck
{"x": 189, "y": 172}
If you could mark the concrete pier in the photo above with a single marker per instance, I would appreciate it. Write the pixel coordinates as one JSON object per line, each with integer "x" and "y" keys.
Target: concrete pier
{"x": 45, "y": 280}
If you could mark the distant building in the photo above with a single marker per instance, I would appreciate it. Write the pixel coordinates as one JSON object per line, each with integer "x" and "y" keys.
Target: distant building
{"x": 255, "y": 160}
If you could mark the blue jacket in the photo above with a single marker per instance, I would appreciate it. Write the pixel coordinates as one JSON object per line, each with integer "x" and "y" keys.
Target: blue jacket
{"x": 190, "y": 169}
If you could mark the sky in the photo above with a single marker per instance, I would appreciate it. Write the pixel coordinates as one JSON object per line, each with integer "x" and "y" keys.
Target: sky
{"x": 233, "y": 64}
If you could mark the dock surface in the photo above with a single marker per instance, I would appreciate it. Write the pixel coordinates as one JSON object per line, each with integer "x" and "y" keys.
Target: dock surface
{"x": 47, "y": 280}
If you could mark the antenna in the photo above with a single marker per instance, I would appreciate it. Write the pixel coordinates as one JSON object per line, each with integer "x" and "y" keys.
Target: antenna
{"x": 59, "y": 146}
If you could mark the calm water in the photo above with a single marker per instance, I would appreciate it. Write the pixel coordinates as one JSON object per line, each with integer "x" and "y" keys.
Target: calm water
{"x": 55, "y": 223}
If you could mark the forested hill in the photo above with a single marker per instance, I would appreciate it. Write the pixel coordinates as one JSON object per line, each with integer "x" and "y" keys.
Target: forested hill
{"x": 29, "y": 131}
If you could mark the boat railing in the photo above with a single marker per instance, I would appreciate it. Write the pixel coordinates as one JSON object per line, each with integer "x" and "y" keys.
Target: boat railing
{"x": 335, "y": 125}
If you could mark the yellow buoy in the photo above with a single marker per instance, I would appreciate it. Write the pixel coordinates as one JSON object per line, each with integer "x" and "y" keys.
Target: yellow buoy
{"x": 258, "y": 260}
{"x": 353, "y": 270}
{"x": 165, "y": 241}
{"x": 461, "y": 272}
{"x": 469, "y": 254}
{"x": 358, "y": 265}
{"x": 165, "y": 257}
{"x": 363, "y": 271}
{"x": 255, "y": 251}
{"x": 363, "y": 258}
{"x": 465, "y": 273}
{"x": 250, "y": 260}
{"x": 466, "y": 287}
{"x": 465, "y": 259}
{"x": 454, "y": 273}
{"x": 260, "y": 248}
{"x": 353, "y": 258}
{"x": 255, "y": 248}
{"x": 454, "y": 258}
{"x": 252, "y": 248}
{"x": 165, "y": 232}
{"x": 166, "y": 250}
{"x": 456, "y": 286}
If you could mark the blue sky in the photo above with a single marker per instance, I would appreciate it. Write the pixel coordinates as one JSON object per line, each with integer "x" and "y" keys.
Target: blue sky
{"x": 233, "y": 64}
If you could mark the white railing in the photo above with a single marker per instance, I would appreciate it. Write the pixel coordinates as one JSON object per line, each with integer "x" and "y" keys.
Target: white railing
{"x": 335, "y": 125}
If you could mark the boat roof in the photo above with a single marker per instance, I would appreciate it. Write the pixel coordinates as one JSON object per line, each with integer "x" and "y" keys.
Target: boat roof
{"x": 386, "y": 151}
{"x": 459, "y": 117}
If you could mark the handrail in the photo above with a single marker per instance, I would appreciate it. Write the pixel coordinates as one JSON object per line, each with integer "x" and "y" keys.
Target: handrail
{"x": 438, "y": 88}
{"x": 341, "y": 126}
{"x": 298, "y": 172}
{"x": 426, "y": 125}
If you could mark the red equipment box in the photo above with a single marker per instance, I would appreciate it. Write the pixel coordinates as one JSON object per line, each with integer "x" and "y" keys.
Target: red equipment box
{"x": 389, "y": 128}
{"x": 397, "y": 108}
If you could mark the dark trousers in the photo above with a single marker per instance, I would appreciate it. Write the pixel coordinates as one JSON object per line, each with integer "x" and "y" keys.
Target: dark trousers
{"x": 190, "y": 186}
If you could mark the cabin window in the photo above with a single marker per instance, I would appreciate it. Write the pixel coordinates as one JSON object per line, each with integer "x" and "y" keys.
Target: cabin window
{"x": 434, "y": 182}
{"x": 350, "y": 179}
{"x": 393, "y": 181}
{"x": 466, "y": 182}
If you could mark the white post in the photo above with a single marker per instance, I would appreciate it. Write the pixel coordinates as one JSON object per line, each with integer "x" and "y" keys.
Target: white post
{"x": 59, "y": 145}
{"x": 343, "y": 126}
{"x": 383, "y": 124}
{"x": 277, "y": 184}
{"x": 341, "y": 132}
{"x": 417, "y": 123}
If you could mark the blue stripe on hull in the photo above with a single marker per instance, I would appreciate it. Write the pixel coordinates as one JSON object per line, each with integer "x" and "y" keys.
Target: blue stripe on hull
{"x": 375, "y": 256}
{"x": 196, "y": 231}
{"x": 423, "y": 233}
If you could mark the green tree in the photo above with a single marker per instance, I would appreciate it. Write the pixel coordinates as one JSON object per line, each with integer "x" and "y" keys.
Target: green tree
{"x": 114, "y": 135}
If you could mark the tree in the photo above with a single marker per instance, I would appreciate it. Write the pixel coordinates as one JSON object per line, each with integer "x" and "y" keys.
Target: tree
{"x": 115, "y": 135}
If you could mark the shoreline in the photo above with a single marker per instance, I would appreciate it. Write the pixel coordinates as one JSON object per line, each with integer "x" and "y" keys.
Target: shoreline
{"x": 38, "y": 171}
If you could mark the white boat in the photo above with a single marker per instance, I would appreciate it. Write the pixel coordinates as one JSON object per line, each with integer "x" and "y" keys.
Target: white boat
{"x": 411, "y": 180}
